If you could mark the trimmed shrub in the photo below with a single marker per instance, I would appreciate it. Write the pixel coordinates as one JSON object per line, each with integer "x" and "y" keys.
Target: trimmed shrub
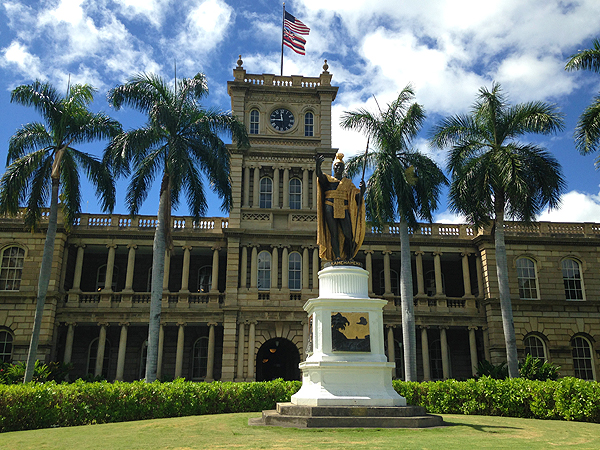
{"x": 43, "y": 405}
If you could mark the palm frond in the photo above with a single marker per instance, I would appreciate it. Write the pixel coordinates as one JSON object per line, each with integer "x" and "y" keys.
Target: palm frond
{"x": 588, "y": 59}
{"x": 100, "y": 177}
{"x": 29, "y": 137}
{"x": 587, "y": 131}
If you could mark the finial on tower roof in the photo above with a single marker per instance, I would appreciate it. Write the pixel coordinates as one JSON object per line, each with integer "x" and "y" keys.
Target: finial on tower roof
{"x": 240, "y": 62}
{"x": 325, "y": 67}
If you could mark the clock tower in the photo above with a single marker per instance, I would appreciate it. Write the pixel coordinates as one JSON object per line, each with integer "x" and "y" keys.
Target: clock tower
{"x": 272, "y": 256}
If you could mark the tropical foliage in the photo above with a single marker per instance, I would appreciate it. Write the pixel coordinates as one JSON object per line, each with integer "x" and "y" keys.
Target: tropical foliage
{"x": 405, "y": 186}
{"x": 494, "y": 175}
{"x": 43, "y": 164}
{"x": 181, "y": 142}
{"x": 587, "y": 132}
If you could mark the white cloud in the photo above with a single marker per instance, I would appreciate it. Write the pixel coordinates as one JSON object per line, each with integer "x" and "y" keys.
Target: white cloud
{"x": 575, "y": 207}
{"x": 151, "y": 10}
{"x": 16, "y": 54}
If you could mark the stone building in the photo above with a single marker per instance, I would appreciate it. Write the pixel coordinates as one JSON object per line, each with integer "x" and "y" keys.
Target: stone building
{"x": 234, "y": 287}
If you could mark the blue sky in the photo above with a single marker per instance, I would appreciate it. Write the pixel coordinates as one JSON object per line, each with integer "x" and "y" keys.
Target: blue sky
{"x": 447, "y": 49}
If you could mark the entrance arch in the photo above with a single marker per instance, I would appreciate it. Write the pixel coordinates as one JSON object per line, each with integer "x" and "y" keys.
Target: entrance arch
{"x": 277, "y": 358}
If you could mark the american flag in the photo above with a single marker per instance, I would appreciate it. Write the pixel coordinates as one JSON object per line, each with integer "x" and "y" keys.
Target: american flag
{"x": 292, "y": 29}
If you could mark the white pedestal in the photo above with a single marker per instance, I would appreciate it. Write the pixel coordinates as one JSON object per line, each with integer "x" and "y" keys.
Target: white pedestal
{"x": 347, "y": 365}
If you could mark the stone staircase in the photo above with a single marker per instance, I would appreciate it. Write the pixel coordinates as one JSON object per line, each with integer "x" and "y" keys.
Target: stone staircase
{"x": 299, "y": 416}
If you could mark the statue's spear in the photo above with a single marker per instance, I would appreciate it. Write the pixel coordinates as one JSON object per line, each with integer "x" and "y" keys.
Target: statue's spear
{"x": 362, "y": 181}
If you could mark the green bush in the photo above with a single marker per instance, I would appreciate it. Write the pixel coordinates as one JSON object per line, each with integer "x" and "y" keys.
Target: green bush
{"x": 536, "y": 369}
{"x": 564, "y": 399}
{"x": 42, "y": 405}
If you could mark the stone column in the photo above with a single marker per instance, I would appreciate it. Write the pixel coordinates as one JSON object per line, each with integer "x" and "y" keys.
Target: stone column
{"x": 244, "y": 268}
{"x": 214, "y": 287}
{"x": 437, "y": 267}
{"x": 256, "y": 188}
{"x": 210, "y": 360}
{"x": 305, "y": 268}
{"x": 275, "y": 203}
{"x": 69, "y": 342}
{"x": 425, "y": 354}
{"x": 274, "y": 268}
{"x": 369, "y": 268}
{"x": 391, "y": 345}
{"x": 251, "y": 345}
{"x": 167, "y": 270}
{"x": 387, "y": 276}
{"x": 78, "y": 268}
{"x": 110, "y": 266}
{"x": 161, "y": 344}
{"x": 285, "y": 268}
{"x": 254, "y": 267}
{"x": 240, "y": 352}
{"x": 286, "y": 188}
{"x": 316, "y": 268}
{"x": 122, "y": 351}
{"x": 445, "y": 359}
{"x": 314, "y": 189}
{"x": 304, "y": 188}
{"x": 481, "y": 293}
{"x": 246, "y": 196}
{"x": 100, "y": 351}
{"x": 185, "y": 272}
{"x": 130, "y": 268}
{"x": 466, "y": 274}
{"x": 420, "y": 275}
{"x": 179, "y": 353}
{"x": 473, "y": 350}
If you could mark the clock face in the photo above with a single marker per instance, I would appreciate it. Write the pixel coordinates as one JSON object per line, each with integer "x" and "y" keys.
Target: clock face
{"x": 282, "y": 119}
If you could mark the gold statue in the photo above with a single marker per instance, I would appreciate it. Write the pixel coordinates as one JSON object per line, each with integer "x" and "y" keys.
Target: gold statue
{"x": 340, "y": 213}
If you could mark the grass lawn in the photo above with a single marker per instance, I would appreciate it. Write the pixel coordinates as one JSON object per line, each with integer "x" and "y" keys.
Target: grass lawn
{"x": 231, "y": 431}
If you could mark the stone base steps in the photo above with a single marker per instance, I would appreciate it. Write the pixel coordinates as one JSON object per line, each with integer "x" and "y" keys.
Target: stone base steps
{"x": 289, "y": 415}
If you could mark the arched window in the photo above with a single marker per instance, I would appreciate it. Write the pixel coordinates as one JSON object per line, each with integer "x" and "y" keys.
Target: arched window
{"x": 264, "y": 270}
{"x": 143, "y": 358}
{"x": 92, "y": 355}
{"x": 101, "y": 277}
{"x": 583, "y": 364}
{"x": 526, "y": 275}
{"x": 535, "y": 347}
{"x": 254, "y": 121}
{"x": 393, "y": 281}
{"x": 6, "y": 346}
{"x": 11, "y": 270}
{"x": 200, "y": 358}
{"x": 295, "y": 271}
{"x": 309, "y": 122}
{"x": 295, "y": 193}
{"x": 204, "y": 278}
{"x": 266, "y": 192}
{"x": 572, "y": 279}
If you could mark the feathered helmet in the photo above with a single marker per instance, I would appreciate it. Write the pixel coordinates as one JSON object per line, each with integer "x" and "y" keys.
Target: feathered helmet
{"x": 339, "y": 158}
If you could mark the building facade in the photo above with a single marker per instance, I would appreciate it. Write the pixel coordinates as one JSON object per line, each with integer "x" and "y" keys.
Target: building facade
{"x": 234, "y": 287}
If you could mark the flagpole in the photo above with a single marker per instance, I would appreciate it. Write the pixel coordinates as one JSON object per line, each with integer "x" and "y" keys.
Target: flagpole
{"x": 282, "y": 31}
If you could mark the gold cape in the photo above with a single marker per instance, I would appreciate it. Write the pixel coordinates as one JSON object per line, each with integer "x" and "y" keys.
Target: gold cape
{"x": 345, "y": 191}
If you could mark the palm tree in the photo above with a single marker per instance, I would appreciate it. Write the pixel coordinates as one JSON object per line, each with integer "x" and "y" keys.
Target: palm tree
{"x": 42, "y": 162}
{"x": 181, "y": 140}
{"x": 494, "y": 176}
{"x": 587, "y": 132}
{"x": 405, "y": 185}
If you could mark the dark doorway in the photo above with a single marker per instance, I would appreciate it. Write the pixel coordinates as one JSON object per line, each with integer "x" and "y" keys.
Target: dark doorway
{"x": 277, "y": 358}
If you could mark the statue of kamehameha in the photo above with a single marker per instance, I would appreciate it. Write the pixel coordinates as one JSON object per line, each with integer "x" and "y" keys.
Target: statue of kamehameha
{"x": 340, "y": 213}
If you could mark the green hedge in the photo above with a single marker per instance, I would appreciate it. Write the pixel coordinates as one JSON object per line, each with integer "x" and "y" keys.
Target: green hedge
{"x": 564, "y": 399}
{"x": 43, "y": 405}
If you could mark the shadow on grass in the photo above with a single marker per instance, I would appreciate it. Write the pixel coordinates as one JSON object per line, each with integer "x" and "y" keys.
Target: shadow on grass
{"x": 481, "y": 428}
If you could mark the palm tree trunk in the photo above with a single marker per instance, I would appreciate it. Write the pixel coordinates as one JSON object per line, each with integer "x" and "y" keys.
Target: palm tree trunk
{"x": 504, "y": 292}
{"x": 158, "y": 270}
{"x": 43, "y": 282}
{"x": 409, "y": 339}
